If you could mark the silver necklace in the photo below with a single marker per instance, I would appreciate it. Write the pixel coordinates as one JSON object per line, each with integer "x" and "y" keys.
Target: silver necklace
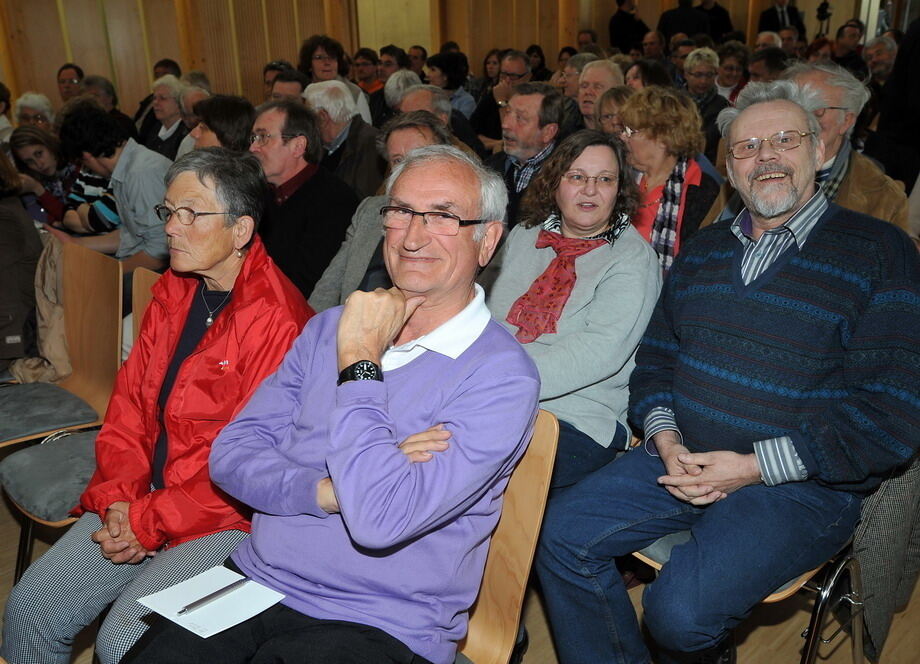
{"x": 211, "y": 312}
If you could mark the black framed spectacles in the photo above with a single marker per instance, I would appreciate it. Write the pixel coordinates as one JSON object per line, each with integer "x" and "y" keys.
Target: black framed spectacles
{"x": 511, "y": 76}
{"x": 397, "y": 217}
{"x": 780, "y": 141}
{"x": 185, "y": 215}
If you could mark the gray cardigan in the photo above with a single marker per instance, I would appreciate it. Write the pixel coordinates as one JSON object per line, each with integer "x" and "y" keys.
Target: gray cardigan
{"x": 585, "y": 366}
{"x": 345, "y": 272}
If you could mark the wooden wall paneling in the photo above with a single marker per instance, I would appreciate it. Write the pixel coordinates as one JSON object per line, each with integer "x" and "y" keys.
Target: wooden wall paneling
{"x": 569, "y": 18}
{"x": 85, "y": 24}
{"x": 37, "y": 45}
{"x": 340, "y": 21}
{"x": 251, "y": 46}
{"x": 283, "y": 42}
{"x": 402, "y": 22}
{"x": 162, "y": 31}
{"x": 548, "y": 31}
{"x": 8, "y": 71}
{"x": 130, "y": 69}
{"x": 524, "y": 20}
{"x": 311, "y": 20}
{"x": 216, "y": 55}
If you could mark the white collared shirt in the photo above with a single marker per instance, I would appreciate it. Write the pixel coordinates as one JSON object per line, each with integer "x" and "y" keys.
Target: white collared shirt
{"x": 450, "y": 338}
{"x": 165, "y": 133}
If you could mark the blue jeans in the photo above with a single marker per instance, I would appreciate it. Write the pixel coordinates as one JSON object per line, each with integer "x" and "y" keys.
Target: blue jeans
{"x": 742, "y": 548}
{"x": 578, "y": 455}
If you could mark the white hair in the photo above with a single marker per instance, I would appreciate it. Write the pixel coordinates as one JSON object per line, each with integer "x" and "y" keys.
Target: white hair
{"x": 334, "y": 97}
{"x": 171, "y": 83}
{"x": 493, "y": 195}
{"x": 440, "y": 100}
{"x": 610, "y": 67}
{"x": 887, "y": 42}
{"x": 760, "y": 93}
{"x": 855, "y": 92}
{"x": 398, "y": 82}
{"x": 37, "y": 102}
{"x": 774, "y": 37}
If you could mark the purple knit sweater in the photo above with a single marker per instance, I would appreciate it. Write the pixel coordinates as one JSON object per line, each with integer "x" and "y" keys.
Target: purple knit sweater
{"x": 407, "y": 552}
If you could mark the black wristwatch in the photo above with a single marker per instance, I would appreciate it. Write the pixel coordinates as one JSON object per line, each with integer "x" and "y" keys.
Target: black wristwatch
{"x": 360, "y": 370}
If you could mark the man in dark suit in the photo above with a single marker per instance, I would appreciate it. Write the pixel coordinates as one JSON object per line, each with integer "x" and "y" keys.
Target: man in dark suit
{"x": 626, "y": 29}
{"x": 779, "y": 16}
{"x": 308, "y": 208}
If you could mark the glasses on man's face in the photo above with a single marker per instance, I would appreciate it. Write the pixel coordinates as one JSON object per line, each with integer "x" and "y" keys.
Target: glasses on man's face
{"x": 30, "y": 118}
{"x": 322, "y": 57}
{"x": 397, "y": 217}
{"x": 185, "y": 215}
{"x": 602, "y": 181}
{"x": 701, "y": 75}
{"x": 71, "y": 81}
{"x": 780, "y": 141}
{"x": 263, "y": 139}
{"x": 511, "y": 76}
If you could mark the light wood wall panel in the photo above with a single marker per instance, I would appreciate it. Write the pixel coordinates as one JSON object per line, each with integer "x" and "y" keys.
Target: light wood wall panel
{"x": 403, "y": 22}
{"x": 130, "y": 70}
{"x": 36, "y": 58}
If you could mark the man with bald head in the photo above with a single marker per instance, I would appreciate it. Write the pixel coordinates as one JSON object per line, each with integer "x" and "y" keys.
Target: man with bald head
{"x": 764, "y": 425}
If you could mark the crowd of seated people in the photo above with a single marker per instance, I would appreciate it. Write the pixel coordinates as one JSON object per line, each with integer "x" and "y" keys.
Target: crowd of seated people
{"x": 681, "y": 240}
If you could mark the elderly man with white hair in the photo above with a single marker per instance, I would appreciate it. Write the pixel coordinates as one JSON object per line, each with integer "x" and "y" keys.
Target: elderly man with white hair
{"x": 349, "y": 143}
{"x": 190, "y": 95}
{"x": 847, "y": 177}
{"x": 775, "y": 388}
{"x": 377, "y": 455}
{"x": 596, "y": 78}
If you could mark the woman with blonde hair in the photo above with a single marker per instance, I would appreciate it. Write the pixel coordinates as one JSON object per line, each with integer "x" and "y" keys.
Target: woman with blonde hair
{"x": 662, "y": 131}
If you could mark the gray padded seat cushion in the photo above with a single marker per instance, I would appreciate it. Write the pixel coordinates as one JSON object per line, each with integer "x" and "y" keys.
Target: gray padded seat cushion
{"x": 660, "y": 552}
{"x": 47, "y": 480}
{"x": 34, "y": 408}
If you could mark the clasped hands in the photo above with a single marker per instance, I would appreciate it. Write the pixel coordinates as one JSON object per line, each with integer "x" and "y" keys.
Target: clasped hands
{"x": 116, "y": 539}
{"x": 705, "y": 477}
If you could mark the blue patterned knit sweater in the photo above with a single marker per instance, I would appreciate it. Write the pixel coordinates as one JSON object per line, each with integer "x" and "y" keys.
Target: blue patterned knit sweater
{"x": 823, "y": 347}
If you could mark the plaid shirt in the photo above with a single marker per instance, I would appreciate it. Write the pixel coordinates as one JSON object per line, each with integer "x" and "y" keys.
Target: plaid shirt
{"x": 523, "y": 173}
{"x": 831, "y": 178}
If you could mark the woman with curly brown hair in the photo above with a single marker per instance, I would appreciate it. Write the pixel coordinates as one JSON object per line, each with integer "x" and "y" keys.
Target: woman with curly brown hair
{"x": 662, "y": 131}
{"x": 577, "y": 286}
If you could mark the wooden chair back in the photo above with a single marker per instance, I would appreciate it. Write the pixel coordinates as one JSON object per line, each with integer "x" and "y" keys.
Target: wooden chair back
{"x": 142, "y": 284}
{"x": 496, "y": 614}
{"x": 92, "y": 321}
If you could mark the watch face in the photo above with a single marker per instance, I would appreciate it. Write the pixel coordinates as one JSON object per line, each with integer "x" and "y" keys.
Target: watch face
{"x": 366, "y": 370}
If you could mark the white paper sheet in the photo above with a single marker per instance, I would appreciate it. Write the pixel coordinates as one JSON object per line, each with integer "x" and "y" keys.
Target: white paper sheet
{"x": 232, "y": 609}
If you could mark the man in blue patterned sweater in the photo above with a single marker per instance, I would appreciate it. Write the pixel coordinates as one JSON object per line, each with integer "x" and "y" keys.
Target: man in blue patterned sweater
{"x": 777, "y": 385}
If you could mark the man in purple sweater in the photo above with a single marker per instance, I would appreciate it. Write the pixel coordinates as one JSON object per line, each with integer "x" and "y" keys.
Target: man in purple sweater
{"x": 376, "y": 457}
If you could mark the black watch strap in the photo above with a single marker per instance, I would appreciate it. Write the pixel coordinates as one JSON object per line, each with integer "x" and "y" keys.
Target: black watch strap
{"x": 360, "y": 370}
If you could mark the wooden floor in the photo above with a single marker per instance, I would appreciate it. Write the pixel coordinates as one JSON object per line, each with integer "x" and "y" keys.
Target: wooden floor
{"x": 769, "y": 636}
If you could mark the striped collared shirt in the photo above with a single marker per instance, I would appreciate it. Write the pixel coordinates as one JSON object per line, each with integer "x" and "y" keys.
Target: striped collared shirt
{"x": 760, "y": 254}
{"x": 777, "y": 458}
{"x": 524, "y": 172}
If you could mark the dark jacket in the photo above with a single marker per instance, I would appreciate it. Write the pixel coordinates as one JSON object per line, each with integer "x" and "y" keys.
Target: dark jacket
{"x": 359, "y": 165}
{"x": 682, "y": 19}
{"x": 769, "y": 20}
{"x": 698, "y": 206}
{"x": 169, "y": 147}
{"x": 304, "y": 233}
{"x": 709, "y": 112}
{"x": 626, "y": 30}
{"x": 20, "y": 247}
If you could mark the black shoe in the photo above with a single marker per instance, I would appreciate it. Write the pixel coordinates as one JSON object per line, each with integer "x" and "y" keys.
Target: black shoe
{"x": 724, "y": 653}
{"x": 517, "y": 655}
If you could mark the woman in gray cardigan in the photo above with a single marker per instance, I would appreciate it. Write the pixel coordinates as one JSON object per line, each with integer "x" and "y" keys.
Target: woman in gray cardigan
{"x": 577, "y": 287}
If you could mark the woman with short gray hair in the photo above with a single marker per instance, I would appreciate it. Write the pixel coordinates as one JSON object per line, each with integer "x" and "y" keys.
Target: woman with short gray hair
{"x": 221, "y": 320}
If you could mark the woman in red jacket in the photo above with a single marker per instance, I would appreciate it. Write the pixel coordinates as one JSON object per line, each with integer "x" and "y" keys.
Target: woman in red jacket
{"x": 220, "y": 321}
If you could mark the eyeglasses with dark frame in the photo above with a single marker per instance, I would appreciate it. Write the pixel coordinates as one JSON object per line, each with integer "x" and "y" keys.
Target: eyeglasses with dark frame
{"x": 780, "y": 141}
{"x": 262, "y": 139}
{"x": 185, "y": 215}
{"x": 819, "y": 112}
{"x": 511, "y": 76}
{"x": 438, "y": 222}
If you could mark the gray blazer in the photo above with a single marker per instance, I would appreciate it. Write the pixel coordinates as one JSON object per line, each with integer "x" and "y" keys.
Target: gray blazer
{"x": 347, "y": 269}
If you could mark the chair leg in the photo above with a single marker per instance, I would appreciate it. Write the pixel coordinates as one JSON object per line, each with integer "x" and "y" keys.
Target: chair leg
{"x": 848, "y": 567}
{"x": 24, "y": 552}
